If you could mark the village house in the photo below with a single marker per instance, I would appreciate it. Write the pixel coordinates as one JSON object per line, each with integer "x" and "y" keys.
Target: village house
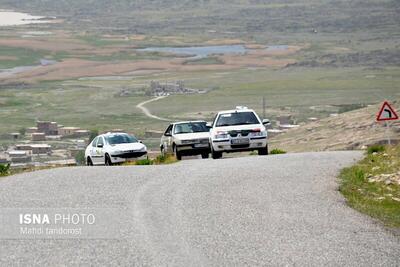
{"x": 38, "y": 137}
{"x": 31, "y": 130}
{"x": 47, "y": 127}
{"x": 41, "y": 149}
{"x": 18, "y": 156}
{"x": 66, "y": 131}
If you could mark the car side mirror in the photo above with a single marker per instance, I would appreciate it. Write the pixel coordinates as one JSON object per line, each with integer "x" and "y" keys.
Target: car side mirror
{"x": 100, "y": 145}
{"x": 167, "y": 134}
{"x": 140, "y": 141}
{"x": 266, "y": 122}
{"x": 209, "y": 125}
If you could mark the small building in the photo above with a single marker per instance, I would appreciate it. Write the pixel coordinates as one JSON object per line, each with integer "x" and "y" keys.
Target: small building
{"x": 19, "y": 156}
{"x": 31, "y": 130}
{"x": 24, "y": 147}
{"x": 38, "y": 137}
{"x": 66, "y": 131}
{"x": 81, "y": 133}
{"x": 40, "y": 149}
{"x": 48, "y": 127}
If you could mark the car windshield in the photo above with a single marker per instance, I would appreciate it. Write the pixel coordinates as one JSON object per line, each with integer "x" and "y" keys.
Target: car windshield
{"x": 192, "y": 127}
{"x": 121, "y": 139}
{"x": 237, "y": 118}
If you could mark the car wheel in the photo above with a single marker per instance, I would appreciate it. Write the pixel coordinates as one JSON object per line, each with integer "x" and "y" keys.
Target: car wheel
{"x": 178, "y": 155}
{"x": 216, "y": 154}
{"x": 204, "y": 156}
{"x": 108, "y": 161}
{"x": 89, "y": 161}
{"x": 263, "y": 151}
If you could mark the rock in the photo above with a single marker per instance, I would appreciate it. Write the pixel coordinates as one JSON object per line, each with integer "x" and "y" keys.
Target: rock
{"x": 396, "y": 199}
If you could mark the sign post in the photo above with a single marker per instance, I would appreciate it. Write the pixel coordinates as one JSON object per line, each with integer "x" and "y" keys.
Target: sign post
{"x": 387, "y": 113}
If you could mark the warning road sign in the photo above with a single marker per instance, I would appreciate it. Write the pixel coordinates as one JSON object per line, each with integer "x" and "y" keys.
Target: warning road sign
{"x": 387, "y": 113}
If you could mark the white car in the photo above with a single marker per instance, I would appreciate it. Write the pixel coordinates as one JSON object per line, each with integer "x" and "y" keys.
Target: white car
{"x": 238, "y": 130}
{"x": 112, "y": 148}
{"x": 186, "y": 138}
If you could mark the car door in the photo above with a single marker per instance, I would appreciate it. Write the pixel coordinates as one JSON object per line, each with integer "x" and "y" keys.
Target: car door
{"x": 100, "y": 159}
{"x": 93, "y": 148}
{"x": 167, "y": 139}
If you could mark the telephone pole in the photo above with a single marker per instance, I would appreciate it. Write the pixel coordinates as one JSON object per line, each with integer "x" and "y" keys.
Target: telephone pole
{"x": 263, "y": 107}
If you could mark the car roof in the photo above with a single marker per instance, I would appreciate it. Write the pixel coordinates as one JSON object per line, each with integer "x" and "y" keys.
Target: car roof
{"x": 112, "y": 133}
{"x": 236, "y": 110}
{"x": 180, "y": 122}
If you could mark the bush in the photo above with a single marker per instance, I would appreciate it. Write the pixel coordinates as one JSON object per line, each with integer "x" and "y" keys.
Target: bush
{"x": 144, "y": 162}
{"x": 376, "y": 149}
{"x": 80, "y": 158}
{"x": 4, "y": 169}
{"x": 277, "y": 151}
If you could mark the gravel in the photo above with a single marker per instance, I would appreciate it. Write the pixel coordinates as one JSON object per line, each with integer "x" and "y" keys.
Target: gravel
{"x": 250, "y": 211}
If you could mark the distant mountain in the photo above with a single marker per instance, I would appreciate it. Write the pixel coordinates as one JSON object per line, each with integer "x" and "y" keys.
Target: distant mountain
{"x": 243, "y": 17}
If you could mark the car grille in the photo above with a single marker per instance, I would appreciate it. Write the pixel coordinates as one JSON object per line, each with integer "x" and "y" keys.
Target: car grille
{"x": 242, "y": 133}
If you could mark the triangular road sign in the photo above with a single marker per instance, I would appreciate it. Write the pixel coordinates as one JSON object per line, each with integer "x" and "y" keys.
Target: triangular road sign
{"x": 387, "y": 113}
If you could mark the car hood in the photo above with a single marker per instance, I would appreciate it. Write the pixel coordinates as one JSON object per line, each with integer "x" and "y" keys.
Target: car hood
{"x": 189, "y": 136}
{"x": 239, "y": 128}
{"x": 127, "y": 147}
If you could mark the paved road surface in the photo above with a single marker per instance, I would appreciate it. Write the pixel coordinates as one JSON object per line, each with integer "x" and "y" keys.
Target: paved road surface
{"x": 147, "y": 112}
{"x": 252, "y": 211}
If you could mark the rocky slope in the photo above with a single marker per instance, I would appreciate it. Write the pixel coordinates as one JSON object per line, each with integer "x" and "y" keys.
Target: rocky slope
{"x": 350, "y": 130}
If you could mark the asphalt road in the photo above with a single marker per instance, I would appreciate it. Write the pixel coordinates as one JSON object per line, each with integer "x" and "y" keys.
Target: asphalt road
{"x": 251, "y": 211}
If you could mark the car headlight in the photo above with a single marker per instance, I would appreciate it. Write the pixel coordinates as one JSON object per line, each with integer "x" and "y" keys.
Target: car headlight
{"x": 221, "y": 135}
{"x": 258, "y": 133}
{"x": 118, "y": 152}
{"x": 185, "y": 142}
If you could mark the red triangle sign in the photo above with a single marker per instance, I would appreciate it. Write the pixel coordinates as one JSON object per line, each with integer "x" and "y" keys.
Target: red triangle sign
{"x": 387, "y": 113}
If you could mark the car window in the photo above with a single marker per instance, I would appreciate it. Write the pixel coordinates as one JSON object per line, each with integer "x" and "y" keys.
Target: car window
{"x": 100, "y": 141}
{"x": 94, "y": 142}
{"x": 237, "y": 118}
{"x": 192, "y": 127}
{"x": 121, "y": 139}
{"x": 169, "y": 130}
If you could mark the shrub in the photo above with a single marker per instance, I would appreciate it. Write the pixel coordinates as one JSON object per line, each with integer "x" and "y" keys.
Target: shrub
{"x": 165, "y": 159}
{"x": 277, "y": 151}
{"x": 144, "y": 162}
{"x": 376, "y": 149}
{"x": 4, "y": 169}
{"x": 80, "y": 158}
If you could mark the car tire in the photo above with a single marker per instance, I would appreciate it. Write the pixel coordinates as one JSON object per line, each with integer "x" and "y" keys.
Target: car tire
{"x": 263, "y": 151}
{"x": 205, "y": 155}
{"x": 108, "y": 161}
{"x": 216, "y": 154}
{"x": 89, "y": 161}
{"x": 178, "y": 154}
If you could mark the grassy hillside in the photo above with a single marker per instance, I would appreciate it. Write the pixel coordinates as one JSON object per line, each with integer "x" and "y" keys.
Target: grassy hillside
{"x": 373, "y": 185}
{"x": 350, "y": 130}
{"x": 246, "y": 17}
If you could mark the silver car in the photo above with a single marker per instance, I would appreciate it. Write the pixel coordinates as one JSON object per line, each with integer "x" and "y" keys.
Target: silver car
{"x": 186, "y": 138}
